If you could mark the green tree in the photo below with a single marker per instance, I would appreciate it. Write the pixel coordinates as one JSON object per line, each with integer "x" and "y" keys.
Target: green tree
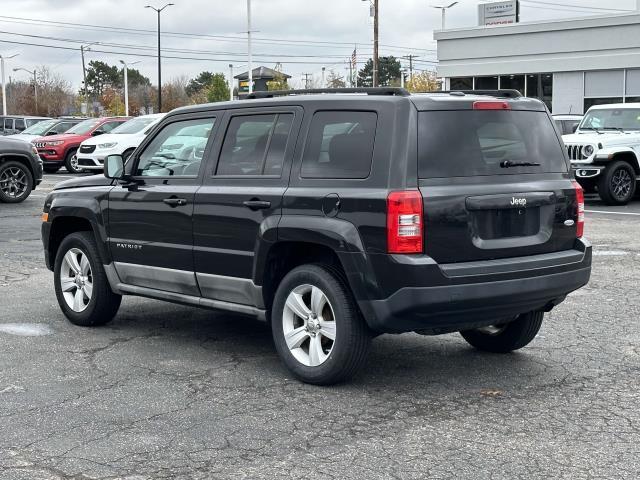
{"x": 100, "y": 76}
{"x": 200, "y": 83}
{"x": 217, "y": 90}
{"x": 388, "y": 72}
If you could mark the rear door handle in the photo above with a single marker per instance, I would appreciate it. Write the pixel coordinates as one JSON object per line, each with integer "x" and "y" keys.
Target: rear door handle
{"x": 175, "y": 202}
{"x": 255, "y": 204}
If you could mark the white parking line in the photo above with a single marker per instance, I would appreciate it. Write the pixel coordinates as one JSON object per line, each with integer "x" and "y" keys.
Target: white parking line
{"x": 613, "y": 213}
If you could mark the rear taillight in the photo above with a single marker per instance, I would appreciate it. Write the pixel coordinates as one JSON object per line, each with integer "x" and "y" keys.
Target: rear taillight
{"x": 404, "y": 222}
{"x": 579, "y": 209}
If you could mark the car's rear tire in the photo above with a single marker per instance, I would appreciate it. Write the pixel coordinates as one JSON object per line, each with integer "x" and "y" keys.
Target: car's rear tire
{"x": 507, "y": 337}
{"x": 81, "y": 283}
{"x": 311, "y": 305}
{"x": 617, "y": 184}
{"x": 50, "y": 169}
{"x": 16, "y": 182}
{"x": 71, "y": 162}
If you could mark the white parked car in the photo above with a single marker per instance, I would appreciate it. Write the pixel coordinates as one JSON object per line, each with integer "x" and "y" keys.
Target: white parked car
{"x": 605, "y": 151}
{"x": 122, "y": 140}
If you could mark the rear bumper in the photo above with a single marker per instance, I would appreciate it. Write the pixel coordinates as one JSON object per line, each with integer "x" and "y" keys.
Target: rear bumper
{"x": 475, "y": 295}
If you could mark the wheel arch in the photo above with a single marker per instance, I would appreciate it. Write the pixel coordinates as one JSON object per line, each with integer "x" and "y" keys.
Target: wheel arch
{"x": 303, "y": 240}
{"x": 64, "y": 225}
{"x": 625, "y": 155}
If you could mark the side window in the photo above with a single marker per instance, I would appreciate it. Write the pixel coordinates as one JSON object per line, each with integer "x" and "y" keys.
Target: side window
{"x": 340, "y": 145}
{"x": 20, "y": 126}
{"x": 255, "y": 145}
{"x": 177, "y": 150}
{"x": 8, "y": 124}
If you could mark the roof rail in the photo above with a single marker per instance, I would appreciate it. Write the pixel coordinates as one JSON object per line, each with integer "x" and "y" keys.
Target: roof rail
{"x": 390, "y": 91}
{"x": 505, "y": 93}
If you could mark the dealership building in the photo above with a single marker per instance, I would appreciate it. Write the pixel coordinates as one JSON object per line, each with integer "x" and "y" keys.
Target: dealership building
{"x": 570, "y": 64}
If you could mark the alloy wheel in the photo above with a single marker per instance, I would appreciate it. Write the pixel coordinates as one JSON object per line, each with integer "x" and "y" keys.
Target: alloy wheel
{"x": 309, "y": 325}
{"x": 73, "y": 163}
{"x": 621, "y": 184}
{"x": 14, "y": 182}
{"x": 76, "y": 280}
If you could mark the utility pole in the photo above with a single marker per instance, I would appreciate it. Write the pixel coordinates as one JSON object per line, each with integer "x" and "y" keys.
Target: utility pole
{"x": 231, "y": 82}
{"x": 306, "y": 80}
{"x": 249, "y": 57}
{"x": 350, "y": 73}
{"x": 4, "y": 86}
{"x": 84, "y": 79}
{"x": 410, "y": 58}
{"x": 158, "y": 11}
{"x": 126, "y": 86}
{"x": 35, "y": 84}
{"x": 376, "y": 61}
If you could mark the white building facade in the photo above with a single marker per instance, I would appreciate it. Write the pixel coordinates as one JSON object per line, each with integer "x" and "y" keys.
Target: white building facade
{"x": 569, "y": 64}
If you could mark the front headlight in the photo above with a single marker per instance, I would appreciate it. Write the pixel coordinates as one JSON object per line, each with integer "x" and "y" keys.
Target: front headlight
{"x": 54, "y": 144}
{"x": 107, "y": 145}
{"x": 588, "y": 150}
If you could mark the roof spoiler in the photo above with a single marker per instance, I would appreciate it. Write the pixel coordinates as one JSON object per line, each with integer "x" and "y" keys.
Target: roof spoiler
{"x": 379, "y": 91}
{"x": 503, "y": 93}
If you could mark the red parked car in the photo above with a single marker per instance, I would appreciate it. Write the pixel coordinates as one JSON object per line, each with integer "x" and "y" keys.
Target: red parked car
{"x": 60, "y": 150}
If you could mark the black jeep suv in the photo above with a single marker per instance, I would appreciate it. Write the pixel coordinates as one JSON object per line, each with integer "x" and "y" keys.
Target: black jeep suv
{"x": 334, "y": 217}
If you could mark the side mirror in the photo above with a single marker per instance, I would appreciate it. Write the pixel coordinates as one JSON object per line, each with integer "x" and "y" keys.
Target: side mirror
{"x": 114, "y": 167}
{"x": 96, "y": 133}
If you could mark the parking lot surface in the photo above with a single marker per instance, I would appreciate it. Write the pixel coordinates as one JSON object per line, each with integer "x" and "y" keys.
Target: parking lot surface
{"x": 167, "y": 391}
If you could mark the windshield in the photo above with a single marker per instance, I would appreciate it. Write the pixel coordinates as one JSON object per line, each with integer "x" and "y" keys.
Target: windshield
{"x": 472, "y": 143}
{"x": 84, "y": 127}
{"x": 134, "y": 126}
{"x": 612, "y": 119}
{"x": 40, "y": 128}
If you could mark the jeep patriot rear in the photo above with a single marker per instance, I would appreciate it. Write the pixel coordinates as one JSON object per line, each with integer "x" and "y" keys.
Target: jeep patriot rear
{"x": 334, "y": 217}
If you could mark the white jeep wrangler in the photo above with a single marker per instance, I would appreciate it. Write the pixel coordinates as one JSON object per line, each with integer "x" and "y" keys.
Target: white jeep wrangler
{"x": 605, "y": 151}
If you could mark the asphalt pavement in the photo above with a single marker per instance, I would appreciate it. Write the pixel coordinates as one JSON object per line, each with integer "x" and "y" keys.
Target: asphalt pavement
{"x": 171, "y": 392}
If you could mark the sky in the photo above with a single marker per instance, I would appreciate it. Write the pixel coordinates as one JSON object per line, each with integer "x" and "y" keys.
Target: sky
{"x": 304, "y": 35}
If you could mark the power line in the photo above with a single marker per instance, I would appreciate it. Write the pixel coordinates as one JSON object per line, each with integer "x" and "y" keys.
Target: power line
{"x": 229, "y": 38}
{"x": 136, "y": 54}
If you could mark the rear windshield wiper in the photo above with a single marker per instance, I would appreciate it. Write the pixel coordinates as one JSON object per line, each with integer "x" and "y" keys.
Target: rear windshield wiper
{"x": 509, "y": 164}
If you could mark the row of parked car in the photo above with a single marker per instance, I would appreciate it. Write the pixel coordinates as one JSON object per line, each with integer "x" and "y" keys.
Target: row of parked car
{"x": 77, "y": 144}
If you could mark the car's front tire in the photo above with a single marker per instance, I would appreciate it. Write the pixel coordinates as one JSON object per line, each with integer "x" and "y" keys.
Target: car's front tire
{"x": 81, "y": 283}
{"x": 317, "y": 327}
{"x": 71, "y": 162}
{"x": 617, "y": 184}
{"x": 505, "y": 338}
{"x": 15, "y": 182}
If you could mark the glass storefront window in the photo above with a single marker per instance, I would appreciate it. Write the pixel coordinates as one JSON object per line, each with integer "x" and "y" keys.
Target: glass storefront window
{"x": 590, "y": 102}
{"x": 513, "y": 82}
{"x": 486, "y": 83}
{"x": 461, "y": 83}
{"x": 533, "y": 86}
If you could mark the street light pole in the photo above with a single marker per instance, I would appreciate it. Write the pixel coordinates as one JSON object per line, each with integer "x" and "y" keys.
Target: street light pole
{"x": 4, "y": 87}
{"x": 375, "y": 13}
{"x": 158, "y": 11}
{"x": 126, "y": 86}
{"x": 35, "y": 85}
{"x": 444, "y": 9}
{"x": 231, "y": 82}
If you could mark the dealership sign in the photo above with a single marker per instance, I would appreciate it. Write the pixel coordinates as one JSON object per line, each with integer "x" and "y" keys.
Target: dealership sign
{"x": 499, "y": 13}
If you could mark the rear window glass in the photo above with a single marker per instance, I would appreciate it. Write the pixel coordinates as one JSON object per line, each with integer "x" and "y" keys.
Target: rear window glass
{"x": 340, "y": 145}
{"x": 471, "y": 143}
